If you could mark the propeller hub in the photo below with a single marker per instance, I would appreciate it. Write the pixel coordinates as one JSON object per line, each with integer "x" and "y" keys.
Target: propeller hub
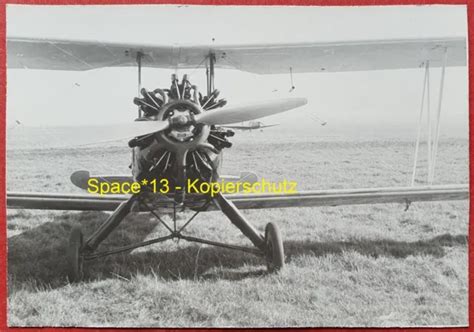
{"x": 182, "y": 128}
{"x": 181, "y": 120}
{"x": 183, "y": 133}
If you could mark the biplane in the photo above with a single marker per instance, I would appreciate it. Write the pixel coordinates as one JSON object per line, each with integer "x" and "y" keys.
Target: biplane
{"x": 179, "y": 133}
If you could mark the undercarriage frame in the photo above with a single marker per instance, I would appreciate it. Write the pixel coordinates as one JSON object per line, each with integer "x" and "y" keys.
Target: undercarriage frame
{"x": 264, "y": 245}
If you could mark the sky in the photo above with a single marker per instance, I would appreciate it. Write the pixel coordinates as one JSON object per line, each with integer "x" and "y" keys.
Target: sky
{"x": 382, "y": 99}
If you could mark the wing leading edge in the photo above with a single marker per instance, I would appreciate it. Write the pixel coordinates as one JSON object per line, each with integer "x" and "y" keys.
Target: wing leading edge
{"x": 255, "y": 201}
{"x": 78, "y": 55}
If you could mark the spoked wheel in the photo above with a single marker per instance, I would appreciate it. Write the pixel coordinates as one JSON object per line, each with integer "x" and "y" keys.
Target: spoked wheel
{"x": 74, "y": 255}
{"x": 275, "y": 256}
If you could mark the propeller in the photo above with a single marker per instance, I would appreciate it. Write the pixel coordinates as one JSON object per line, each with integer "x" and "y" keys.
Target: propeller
{"x": 222, "y": 116}
{"x": 226, "y": 115}
{"x": 141, "y": 128}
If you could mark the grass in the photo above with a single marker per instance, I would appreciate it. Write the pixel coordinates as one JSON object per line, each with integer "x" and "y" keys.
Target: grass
{"x": 374, "y": 265}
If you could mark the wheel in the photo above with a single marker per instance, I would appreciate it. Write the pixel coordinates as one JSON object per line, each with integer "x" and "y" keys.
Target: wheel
{"x": 275, "y": 256}
{"x": 74, "y": 255}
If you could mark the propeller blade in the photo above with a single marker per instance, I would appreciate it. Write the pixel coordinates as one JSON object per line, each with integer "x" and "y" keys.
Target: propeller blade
{"x": 140, "y": 128}
{"x": 132, "y": 130}
{"x": 135, "y": 129}
{"x": 249, "y": 112}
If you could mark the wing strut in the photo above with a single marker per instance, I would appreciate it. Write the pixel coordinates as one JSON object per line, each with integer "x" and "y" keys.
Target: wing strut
{"x": 291, "y": 80}
{"x": 438, "y": 117}
{"x": 210, "y": 73}
{"x": 418, "y": 137}
{"x": 433, "y": 128}
{"x": 139, "y": 64}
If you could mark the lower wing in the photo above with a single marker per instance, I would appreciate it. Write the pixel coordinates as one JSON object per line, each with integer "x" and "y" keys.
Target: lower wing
{"x": 336, "y": 197}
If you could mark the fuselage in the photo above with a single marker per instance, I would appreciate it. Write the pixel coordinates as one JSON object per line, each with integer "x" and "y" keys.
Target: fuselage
{"x": 255, "y": 125}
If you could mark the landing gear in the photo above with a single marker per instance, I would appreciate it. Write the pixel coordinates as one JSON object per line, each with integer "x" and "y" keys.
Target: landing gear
{"x": 268, "y": 246}
{"x": 271, "y": 246}
{"x": 274, "y": 254}
{"x": 74, "y": 255}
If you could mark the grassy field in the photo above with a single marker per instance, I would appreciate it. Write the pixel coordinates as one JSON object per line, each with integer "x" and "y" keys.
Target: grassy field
{"x": 374, "y": 265}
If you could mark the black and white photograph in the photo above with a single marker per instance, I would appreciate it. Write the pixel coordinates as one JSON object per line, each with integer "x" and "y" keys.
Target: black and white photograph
{"x": 237, "y": 166}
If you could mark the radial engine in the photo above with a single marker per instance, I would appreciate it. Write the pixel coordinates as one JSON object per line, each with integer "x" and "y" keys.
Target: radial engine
{"x": 186, "y": 150}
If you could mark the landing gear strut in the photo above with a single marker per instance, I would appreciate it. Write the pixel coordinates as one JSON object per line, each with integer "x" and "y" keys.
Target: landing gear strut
{"x": 269, "y": 246}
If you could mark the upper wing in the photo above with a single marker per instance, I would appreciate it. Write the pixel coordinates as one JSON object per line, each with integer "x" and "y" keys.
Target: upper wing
{"x": 254, "y": 201}
{"x": 257, "y": 58}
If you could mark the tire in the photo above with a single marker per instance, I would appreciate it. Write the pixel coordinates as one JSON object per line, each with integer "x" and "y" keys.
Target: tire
{"x": 275, "y": 256}
{"x": 74, "y": 255}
